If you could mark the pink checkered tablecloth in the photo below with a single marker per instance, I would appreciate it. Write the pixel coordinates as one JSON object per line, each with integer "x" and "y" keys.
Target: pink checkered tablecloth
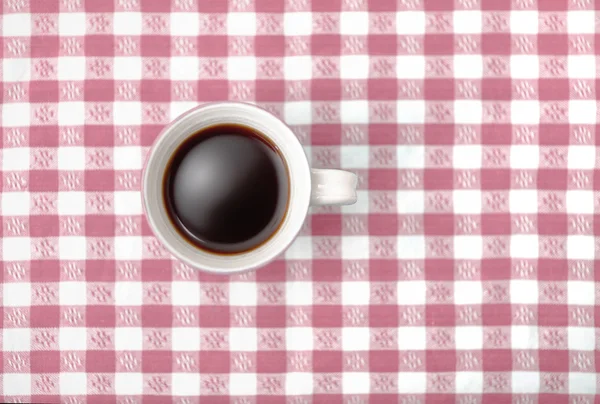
{"x": 464, "y": 273}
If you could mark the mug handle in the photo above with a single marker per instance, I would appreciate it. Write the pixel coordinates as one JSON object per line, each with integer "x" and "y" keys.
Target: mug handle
{"x": 332, "y": 187}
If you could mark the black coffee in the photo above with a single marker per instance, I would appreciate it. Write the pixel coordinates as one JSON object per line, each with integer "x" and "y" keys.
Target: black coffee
{"x": 226, "y": 189}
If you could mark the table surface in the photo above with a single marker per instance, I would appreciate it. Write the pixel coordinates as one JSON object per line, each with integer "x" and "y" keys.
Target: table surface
{"x": 465, "y": 271}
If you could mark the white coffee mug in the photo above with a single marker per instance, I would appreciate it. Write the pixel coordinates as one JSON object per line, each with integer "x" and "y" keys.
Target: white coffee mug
{"x": 307, "y": 186}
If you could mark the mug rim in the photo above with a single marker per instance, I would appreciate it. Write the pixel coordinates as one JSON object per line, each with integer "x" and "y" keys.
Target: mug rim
{"x": 184, "y": 126}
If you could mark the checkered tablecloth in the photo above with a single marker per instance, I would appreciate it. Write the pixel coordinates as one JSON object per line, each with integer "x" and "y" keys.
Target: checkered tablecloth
{"x": 464, "y": 273}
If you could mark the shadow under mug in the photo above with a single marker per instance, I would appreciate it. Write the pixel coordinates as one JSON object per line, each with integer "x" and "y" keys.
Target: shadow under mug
{"x": 308, "y": 186}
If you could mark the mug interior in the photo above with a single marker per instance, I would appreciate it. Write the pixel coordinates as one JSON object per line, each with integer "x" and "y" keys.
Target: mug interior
{"x": 185, "y": 126}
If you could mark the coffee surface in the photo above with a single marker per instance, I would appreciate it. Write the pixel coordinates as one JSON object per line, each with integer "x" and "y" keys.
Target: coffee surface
{"x": 226, "y": 189}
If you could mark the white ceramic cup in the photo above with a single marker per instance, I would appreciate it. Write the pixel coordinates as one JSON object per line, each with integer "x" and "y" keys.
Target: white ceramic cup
{"x": 307, "y": 186}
